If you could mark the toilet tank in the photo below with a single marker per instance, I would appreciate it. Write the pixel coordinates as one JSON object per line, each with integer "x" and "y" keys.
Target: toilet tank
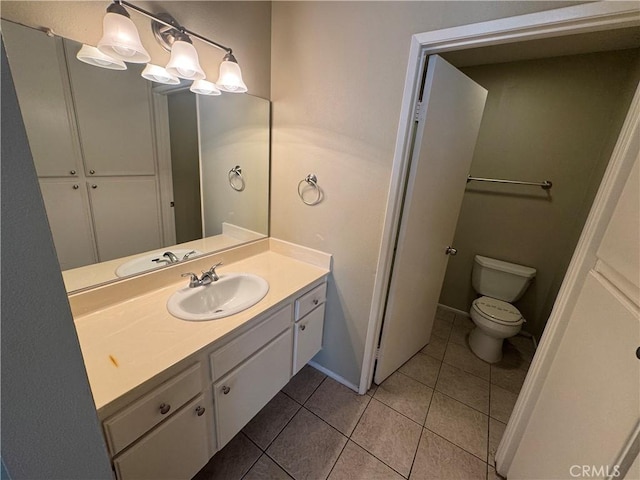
{"x": 499, "y": 279}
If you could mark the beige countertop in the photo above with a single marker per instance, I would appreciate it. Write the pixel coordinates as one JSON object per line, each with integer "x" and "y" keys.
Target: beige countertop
{"x": 130, "y": 342}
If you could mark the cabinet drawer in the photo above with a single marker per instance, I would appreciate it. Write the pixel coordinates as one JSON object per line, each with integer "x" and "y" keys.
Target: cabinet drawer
{"x": 178, "y": 448}
{"x": 135, "y": 420}
{"x": 310, "y": 300}
{"x": 307, "y": 338}
{"x": 243, "y": 393}
{"x": 234, "y": 352}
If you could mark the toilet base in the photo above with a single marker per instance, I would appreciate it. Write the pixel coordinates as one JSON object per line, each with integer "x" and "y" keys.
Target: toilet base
{"x": 485, "y": 347}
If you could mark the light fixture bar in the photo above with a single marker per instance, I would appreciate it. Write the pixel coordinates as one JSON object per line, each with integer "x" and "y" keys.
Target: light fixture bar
{"x": 179, "y": 28}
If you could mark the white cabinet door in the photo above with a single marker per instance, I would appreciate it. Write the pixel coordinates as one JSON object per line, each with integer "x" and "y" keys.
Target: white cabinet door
{"x": 177, "y": 449}
{"x": 39, "y": 72}
{"x": 115, "y": 116}
{"x": 69, "y": 217}
{"x": 126, "y": 216}
{"x": 307, "y": 338}
{"x": 241, "y": 394}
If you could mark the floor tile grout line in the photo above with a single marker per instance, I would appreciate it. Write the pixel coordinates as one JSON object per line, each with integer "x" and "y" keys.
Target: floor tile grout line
{"x": 459, "y": 446}
{"x": 415, "y": 454}
{"x": 396, "y": 411}
{"x": 279, "y": 431}
{"x": 262, "y": 452}
{"x": 377, "y": 458}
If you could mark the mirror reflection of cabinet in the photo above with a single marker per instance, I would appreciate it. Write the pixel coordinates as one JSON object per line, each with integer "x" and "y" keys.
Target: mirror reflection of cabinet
{"x": 74, "y": 114}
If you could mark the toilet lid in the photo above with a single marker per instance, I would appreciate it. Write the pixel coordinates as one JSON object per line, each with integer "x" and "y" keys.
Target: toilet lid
{"x": 498, "y": 310}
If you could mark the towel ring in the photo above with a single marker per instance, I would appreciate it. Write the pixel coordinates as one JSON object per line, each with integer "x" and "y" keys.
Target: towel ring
{"x": 312, "y": 181}
{"x": 236, "y": 180}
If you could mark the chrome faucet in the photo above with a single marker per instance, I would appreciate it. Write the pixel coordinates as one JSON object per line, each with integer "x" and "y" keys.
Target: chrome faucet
{"x": 171, "y": 256}
{"x": 187, "y": 255}
{"x": 208, "y": 277}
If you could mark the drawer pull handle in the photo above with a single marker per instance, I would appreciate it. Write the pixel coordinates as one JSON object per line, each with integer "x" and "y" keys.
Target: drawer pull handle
{"x": 200, "y": 410}
{"x": 92, "y": 172}
{"x": 316, "y": 301}
{"x": 226, "y": 389}
{"x": 72, "y": 172}
{"x": 302, "y": 327}
{"x": 164, "y": 408}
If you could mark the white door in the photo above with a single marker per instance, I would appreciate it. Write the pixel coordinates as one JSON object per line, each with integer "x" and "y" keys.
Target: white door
{"x": 452, "y": 106}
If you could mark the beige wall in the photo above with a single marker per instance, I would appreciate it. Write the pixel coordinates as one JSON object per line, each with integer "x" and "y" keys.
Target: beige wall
{"x": 243, "y": 26}
{"x": 338, "y": 72}
{"x": 555, "y": 119}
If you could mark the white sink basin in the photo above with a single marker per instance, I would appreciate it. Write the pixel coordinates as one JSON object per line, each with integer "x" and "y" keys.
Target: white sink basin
{"x": 231, "y": 294}
{"x": 145, "y": 262}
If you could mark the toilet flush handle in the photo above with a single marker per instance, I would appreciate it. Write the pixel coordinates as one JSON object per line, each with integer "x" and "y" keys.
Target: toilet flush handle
{"x": 451, "y": 251}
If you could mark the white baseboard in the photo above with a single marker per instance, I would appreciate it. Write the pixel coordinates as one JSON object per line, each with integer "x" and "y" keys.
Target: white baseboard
{"x": 335, "y": 376}
{"x": 454, "y": 310}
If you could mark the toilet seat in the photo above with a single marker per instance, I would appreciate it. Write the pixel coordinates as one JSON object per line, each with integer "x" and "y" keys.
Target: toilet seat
{"x": 498, "y": 311}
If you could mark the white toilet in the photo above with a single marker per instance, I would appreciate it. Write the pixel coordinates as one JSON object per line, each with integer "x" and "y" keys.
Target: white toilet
{"x": 499, "y": 282}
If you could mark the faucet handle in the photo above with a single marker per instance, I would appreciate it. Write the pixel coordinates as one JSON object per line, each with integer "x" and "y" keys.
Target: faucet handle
{"x": 187, "y": 255}
{"x": 194, "y": 281}
{"x": 211, "y": 273}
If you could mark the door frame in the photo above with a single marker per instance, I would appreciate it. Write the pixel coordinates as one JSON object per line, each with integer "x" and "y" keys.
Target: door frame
{"x": 583, "y": 18}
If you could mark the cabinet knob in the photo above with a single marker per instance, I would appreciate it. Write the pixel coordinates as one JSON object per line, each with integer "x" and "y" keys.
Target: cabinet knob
{"x": 302, "y": 327}
{"x": 94, "y": 186}
{"x": 316, "y": 301}
{"x": 72, "y": 172}
{"x": 225, "y": 389}
{"x": 638, "y": 353}
{"x": 164, "y": 408}
{"x": 92, "y": 172}
{"x": 200, "y": 410}
{"x": 76, "y": 186}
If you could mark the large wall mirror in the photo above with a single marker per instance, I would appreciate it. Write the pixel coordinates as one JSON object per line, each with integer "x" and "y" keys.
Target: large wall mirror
{"x": 134, "y": 175}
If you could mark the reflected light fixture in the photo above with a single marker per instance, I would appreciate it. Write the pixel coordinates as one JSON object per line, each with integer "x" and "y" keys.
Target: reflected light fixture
{"x": 158, "y": 74}
{"x": 93, "y": 56}
{"x": 203, "y": 87}
{"x": 120, "y": 38}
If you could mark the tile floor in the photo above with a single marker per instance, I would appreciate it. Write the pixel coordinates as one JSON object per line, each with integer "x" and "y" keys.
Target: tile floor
{"x": 440, "y": 416}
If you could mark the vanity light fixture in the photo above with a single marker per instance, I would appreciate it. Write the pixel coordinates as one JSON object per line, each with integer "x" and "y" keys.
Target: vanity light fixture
{"x": 230, "y": 78}
{"x": 120, "y": 38}
{"x": 93, "y": 56}
{"x": 158, "y": 74}
{"x": 203, "y": 87}
{"x": 121, "y": 41}
{"x": 184, "y": 61}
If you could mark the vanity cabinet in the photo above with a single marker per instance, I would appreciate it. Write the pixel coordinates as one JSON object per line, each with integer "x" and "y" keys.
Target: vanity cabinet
{"x": 241, "y": 394}
{"x": 176, "y": 427}
{"x": 309, "y": 326}
{"x": 176, "y": 449}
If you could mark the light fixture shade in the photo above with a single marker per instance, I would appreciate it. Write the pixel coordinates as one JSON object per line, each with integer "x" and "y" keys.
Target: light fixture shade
{"x": 184, "y": 61}
{"x": 230, "y": 79}
{"x": 204, "y": 87}
{"x": 155, "y": 73}
{"x": 120, "y": 39}
{"x": 93, "y": 56}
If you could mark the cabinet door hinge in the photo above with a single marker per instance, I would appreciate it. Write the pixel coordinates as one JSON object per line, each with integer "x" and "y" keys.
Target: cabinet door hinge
{"x": 418, "y": 111}
{"x": 377, "y": 353}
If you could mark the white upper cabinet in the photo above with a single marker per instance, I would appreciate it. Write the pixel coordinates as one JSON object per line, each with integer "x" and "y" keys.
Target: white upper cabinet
{"x": 103, "y": 100}
{"x": 40, "y": 74}
{"x": 619, "y": 252}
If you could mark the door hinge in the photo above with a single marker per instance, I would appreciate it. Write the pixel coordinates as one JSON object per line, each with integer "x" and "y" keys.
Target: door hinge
{"x": 377, "y": 353}
{"x": 418, "y": 111}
